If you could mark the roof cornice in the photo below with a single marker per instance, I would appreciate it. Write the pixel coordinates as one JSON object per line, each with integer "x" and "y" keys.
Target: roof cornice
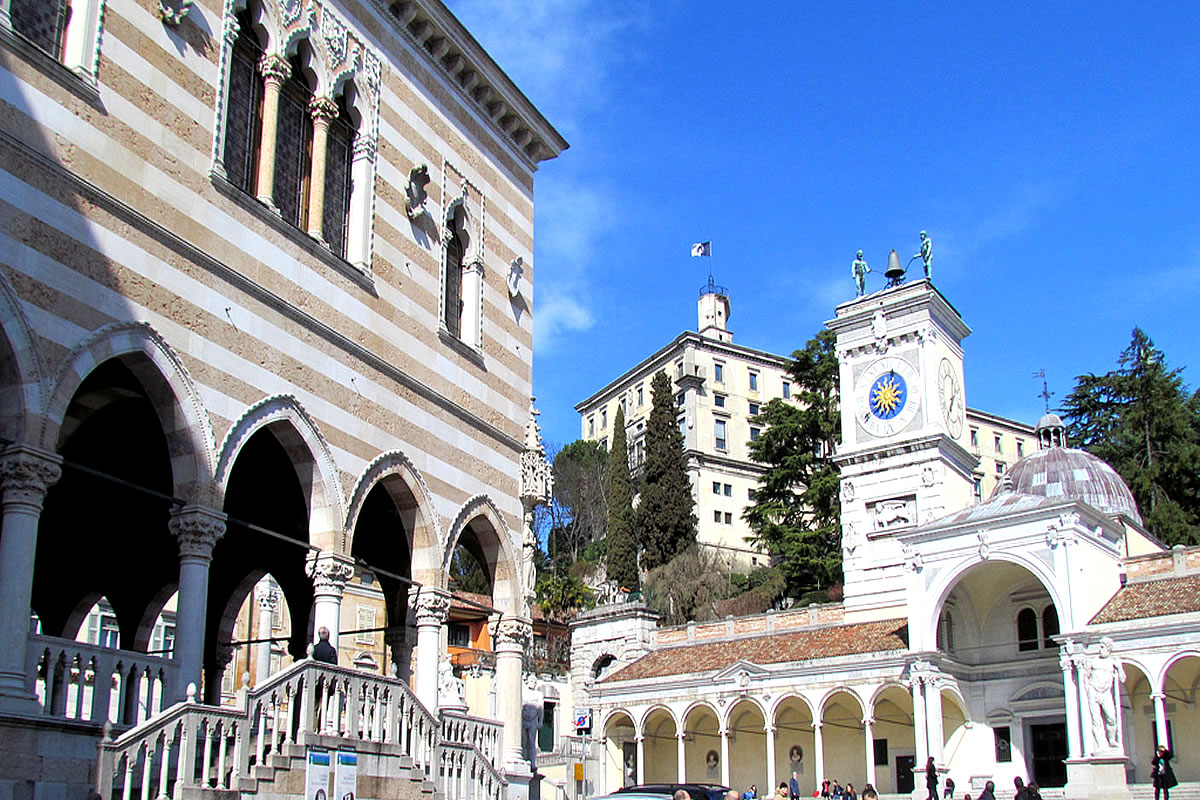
{"x": 453, "y": 52}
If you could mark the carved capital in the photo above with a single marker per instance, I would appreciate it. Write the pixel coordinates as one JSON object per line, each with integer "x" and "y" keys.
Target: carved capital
{"x": 274, "y": 68}
{"x": 26, "y": 475}
{"x": 268, "y": 599}
{"x": 197, "y": 530}
{"x": 223, "y": 655}
{"x": 329, "y": 572}
{"x": 365, "y": 147}
{"x": 322, "y": 109}
{"x": 431, "y": 607}
{"x": 513, "y": 632}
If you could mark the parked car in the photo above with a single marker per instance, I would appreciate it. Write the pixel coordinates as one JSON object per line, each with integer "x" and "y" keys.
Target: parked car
{"x": 629, "y": 794}
{"x": 698, "y": 791}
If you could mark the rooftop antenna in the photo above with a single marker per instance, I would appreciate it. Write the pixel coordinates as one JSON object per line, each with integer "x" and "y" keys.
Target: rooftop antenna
{"x": 1046, "y": 394}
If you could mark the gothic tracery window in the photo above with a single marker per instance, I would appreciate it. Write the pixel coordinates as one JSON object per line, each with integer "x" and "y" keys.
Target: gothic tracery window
{"x": 243, "y": 133}
{"x": 43, "y": 22}
{"x": 339, "y": 159}
{"x": 293, "y": 150}
{"x": 452, "y": 311}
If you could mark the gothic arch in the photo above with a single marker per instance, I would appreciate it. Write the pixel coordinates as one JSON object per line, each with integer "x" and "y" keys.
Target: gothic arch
{"x": 168, "y": 385}
{"x": 23, "y": 400}
{"x": 506, "y": 576}
{"x": 945, "y": 582}
{"x": 426, "y": 534}
{"x": 300, "y": 437}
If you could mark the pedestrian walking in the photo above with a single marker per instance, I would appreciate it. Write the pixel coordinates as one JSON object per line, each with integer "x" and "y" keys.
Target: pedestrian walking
{"x": 1163, "y": 775}
{"x": 931, "y": 779}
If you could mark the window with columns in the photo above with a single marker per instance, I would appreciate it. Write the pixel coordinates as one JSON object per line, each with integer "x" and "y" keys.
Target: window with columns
{"x": 66, "y": 30}
{"x": 294, "y": 149}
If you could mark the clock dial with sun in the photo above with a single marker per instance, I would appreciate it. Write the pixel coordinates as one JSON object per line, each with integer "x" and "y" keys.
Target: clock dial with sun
{"x": 951, "y": 396}
{"x": 888, "y": 396}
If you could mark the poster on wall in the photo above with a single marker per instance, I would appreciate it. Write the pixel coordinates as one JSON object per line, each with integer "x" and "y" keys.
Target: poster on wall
{"x": 345, "y": 775}
{"x": 316, "y": 774}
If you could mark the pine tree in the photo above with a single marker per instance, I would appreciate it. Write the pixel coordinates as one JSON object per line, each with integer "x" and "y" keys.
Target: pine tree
{"x": 1141, "y": 420}
{"x": 796, "y": 512}
{"x": 621, "y": 559}
{"x": 666, "y": 515}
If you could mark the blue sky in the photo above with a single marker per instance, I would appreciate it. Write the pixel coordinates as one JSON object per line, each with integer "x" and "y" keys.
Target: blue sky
{"x": 1052, "y": 151}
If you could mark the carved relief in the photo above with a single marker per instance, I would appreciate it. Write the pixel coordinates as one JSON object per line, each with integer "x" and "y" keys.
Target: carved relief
{"x": 329, "y": 571}
{"x": 897, "y": 512}
{"x": 25, "y": 477}
{"x": 431, "y": 607}
{"x": 514, "y": 632}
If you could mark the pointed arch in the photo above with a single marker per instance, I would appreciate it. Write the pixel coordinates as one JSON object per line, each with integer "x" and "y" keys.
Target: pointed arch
{"x": 301, "y": 438}
{"x": 169, "y": 387}
{"x": 426, "y": 535}
{"x": 23, "y": 400}
{"x": 506, "y": 589}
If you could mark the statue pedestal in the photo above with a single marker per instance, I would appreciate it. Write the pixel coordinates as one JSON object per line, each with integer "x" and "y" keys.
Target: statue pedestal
{"x": 521, "y": 782}
{"x": 453, "y": 704}
{"x": 1097, "y": 777}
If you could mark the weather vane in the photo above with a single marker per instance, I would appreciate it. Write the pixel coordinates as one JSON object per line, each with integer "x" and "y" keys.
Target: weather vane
{"x": 1046, "y": 393}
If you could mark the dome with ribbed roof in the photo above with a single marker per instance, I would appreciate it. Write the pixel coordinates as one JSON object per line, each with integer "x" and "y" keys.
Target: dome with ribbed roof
{"x": 1058, "y": 471}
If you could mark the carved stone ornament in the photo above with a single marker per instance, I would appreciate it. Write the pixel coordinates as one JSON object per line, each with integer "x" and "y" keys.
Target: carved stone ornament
{"x": 928, "y": 475}
{"x": 514, "y": 277}
{"x": 742, "y": 678}
{"x": 537, "y": 476}
{"x": 172, "y": 12}
{"x": 432, "y": 608}
{"x": 197, "y": 531}
{"x": 879, "y": 326}
{"x": 26, "y": 476}
{"x": 852, "y": 539}
{"x": 415, "y": 195}
{"x": 329, "y": 571}
{"x": 847, "y": 491}
{"x": 985, "y": 549}
{"x": 514, "y": 632}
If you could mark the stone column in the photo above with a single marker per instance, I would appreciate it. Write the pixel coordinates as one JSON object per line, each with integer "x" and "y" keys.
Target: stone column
{"x": 818, "y": 756}
{"x": 1071, "y": 698}
{"x": 275, "y": 70}
{"x": 431, "y": 607}
{"x": 510, "y": 641}
{"x": 268, "y": 599}
{"x": 869, "y": 736}
{"x": 724, "y": 733}
{"x": 771, "y": 782}
{"x": 329, "y": 572}
{"x": 196, "y": 530}
{"x": 25, "y": 477}
{"x": 933, "y": 717}
{"x": 399, "y": 651}
{"x": 920, "y": 731}
{"x": 1160, "y": 715}
{"x": 680, "y": 759}
{"x": 323, "y": 110}
{"x": 640, "y": 744}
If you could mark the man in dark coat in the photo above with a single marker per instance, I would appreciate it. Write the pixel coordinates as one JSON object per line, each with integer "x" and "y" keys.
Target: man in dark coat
{"x": 1163, "y": 775}
{"x": 989, "y": 791}
{"x": 323, "y": 650}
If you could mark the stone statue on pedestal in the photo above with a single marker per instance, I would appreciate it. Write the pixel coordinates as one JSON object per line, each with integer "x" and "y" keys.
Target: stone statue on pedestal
{"x": 532, "y": 709}
{"x": 1104, "y": 676}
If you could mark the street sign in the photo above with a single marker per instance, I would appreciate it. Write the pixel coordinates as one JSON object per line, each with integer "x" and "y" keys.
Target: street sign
{"x": 583, "y": 718}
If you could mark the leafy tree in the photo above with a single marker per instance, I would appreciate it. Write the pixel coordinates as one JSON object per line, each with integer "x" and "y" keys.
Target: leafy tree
{"x": 621, "y": 560}
{"x": 578, "y": 515}
{"x": 560, "y": 595}
{"x": 467, "y": 573}
{"x": 1140, "y": 419}
{"x": 688, "y": 587}
{"x": 796, "y": 514}
{"x": 666, "y": 517}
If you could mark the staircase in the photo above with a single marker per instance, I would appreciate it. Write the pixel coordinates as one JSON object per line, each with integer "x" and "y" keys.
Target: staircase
{"x": 259, "y": 747}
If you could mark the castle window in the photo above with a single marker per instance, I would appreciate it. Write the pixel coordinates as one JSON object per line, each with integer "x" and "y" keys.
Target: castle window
{"x": 1027, "y": 630}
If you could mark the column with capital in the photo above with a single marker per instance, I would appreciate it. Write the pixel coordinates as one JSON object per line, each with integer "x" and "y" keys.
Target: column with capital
{"x": 933, "y": 716}
{"x": 640, "y": 743}
{"x": 771, "y": 783}
{"x": 680, "y": 760}
{"x": 275, "y": 70}
{"x": 818, "y": 755}
{"x": 724, "y": 734}
{"x": 1071, "y": 699}
{"x": 268, "y": 600}
{"x": 920, "y": 729}
{"x": 431, "y": 607}
{"x": 323, "y": 111}
{"x": 511, "y": 638}
{"x": 196, "y": 530}
{"x": 329, "y": 572}
{"x": 26, "y": 475}
{"x": 869, "y": 743}
{"x": 1160, "y": 715}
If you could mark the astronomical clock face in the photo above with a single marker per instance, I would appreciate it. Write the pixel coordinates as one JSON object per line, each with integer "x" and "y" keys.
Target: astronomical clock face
{"x": 888, "y": 396}
{"x": 951, "y": 397}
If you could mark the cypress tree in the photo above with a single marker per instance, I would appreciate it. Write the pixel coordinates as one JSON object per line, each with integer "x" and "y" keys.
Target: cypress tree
{"x": 666, "y": 512}
{"x": 621, "y": 560}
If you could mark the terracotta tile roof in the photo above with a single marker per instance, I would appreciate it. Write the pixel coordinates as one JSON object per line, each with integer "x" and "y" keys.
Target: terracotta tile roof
{"x": 802, "y": 645}
{"x": 1152, "y": 599}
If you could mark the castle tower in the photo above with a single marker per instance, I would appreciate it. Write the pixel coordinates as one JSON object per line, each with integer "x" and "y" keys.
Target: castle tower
{"x": 903, "y": 457}
{"x": 712, "y": 312}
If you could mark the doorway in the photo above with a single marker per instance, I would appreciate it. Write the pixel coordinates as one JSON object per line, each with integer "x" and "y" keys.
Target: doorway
{"x": 904, "y": 774}
{"x": 1048, "y": 744}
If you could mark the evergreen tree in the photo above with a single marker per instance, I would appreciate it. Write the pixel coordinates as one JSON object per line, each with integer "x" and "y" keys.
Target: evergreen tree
{"x": 666, "y": 515}
{"x": 579, "y": 512}
{"x": 796, "y": 512}
{"x": 1140, "y": 419}
{"x": 621, "y": 559}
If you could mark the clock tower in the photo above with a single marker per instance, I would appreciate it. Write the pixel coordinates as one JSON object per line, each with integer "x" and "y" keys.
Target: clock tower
{"x": 903, "y": 458}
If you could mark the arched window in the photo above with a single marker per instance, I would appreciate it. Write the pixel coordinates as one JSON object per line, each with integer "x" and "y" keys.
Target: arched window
{"x": 243, "y": 114}
{"x": 945, "y": 633}
{"x": 293, "y": 150}
{"x": 1027, "y": 632}
{"x": 43, "y": 22}
{"x": 452, "y": 306}
{"x": 339, "y": 155}
{"x": 1049, "y": 626}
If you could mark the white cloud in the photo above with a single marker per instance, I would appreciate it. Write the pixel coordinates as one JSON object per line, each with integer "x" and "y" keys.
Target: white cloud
{"x": 1007, "y": 221}
{"x": 555, "y": 315}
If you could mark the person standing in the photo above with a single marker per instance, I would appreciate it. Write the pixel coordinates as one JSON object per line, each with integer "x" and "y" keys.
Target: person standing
{"x": 1163, "y": 775}
{"x": 1022, "y": 792}
{"x": 989, "y": 791}
{"x": 323, "y": 651}
{"x": 948, "y": 791}
{"x": 931, "y": 779}
{"x": 794, "y": 786}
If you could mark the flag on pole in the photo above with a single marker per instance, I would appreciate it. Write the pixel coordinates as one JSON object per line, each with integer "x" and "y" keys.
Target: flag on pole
{"x": 702, "y": 249}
